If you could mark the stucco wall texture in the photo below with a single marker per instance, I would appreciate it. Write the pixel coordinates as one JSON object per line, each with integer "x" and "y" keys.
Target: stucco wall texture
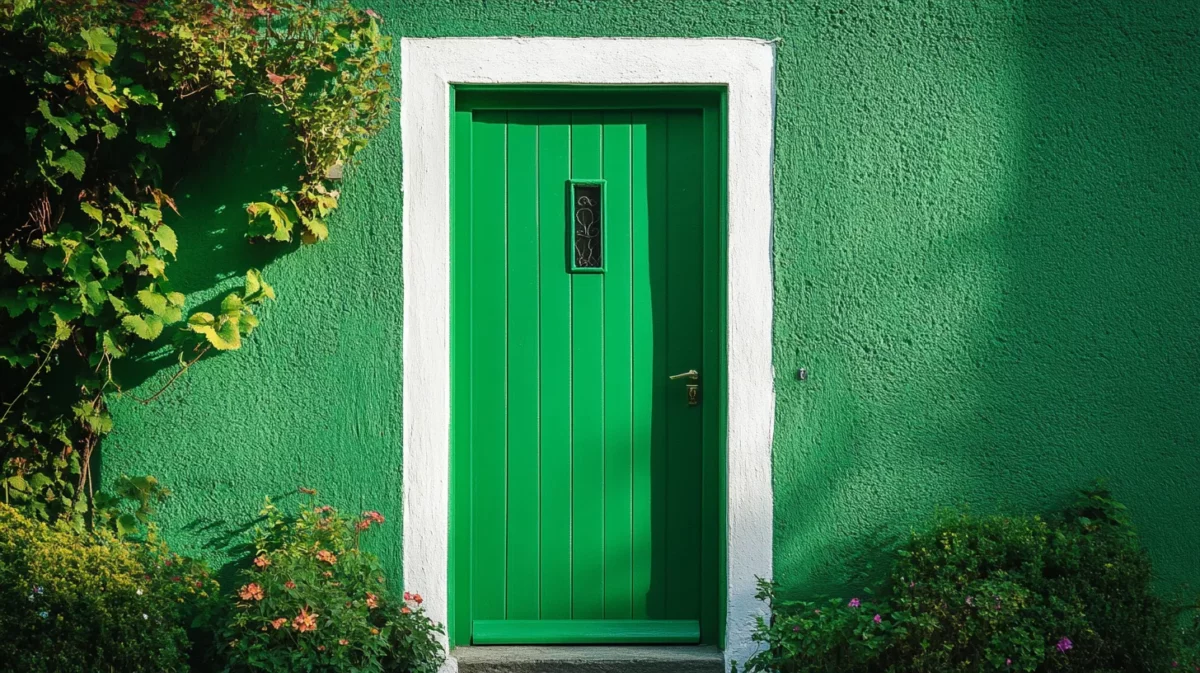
{"x": 987, "y": 238}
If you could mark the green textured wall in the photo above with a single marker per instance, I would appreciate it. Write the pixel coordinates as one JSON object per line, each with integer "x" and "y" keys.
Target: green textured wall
{"x": 986, "y": 254}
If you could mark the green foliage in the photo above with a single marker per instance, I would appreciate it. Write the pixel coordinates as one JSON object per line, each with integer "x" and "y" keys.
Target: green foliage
{"x": 313, "y": 601}
{"x": 97, "y": 98}
{"x": 82, "y": 602}
{"x": 1070, "y": 594}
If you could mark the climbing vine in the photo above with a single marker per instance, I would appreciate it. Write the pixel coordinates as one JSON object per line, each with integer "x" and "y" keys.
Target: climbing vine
{"x": 99, "y": 96}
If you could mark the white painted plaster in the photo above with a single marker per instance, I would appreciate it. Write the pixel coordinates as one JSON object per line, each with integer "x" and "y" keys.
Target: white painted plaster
{"x": 746, "y": 67}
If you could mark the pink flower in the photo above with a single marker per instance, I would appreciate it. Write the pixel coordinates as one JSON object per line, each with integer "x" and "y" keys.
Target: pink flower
{"x": 1008, "y": 662}
{"x": 1065, "y": 644}
{"x": 878, "y": 619}
{"x": 854, "y": 602}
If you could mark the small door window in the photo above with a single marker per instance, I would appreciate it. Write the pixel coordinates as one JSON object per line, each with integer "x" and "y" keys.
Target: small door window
{"x": 587, "y": 225}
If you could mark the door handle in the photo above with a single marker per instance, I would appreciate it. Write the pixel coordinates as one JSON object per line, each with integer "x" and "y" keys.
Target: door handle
{"x": 693, "y": 388}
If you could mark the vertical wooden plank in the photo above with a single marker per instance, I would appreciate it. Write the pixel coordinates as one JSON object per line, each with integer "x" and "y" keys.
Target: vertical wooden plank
{"x": 488, "y": 365}
{"x": 685, "y": 218}
{"x": 554, "y": 169}
{"x": 618, "y": 374}
{"x": 587, "y": 398}
{"x": 712, "y": 539}
{"x": 460, "y": 354}
{"x": 523, "y": 368}
{"x": 650, "y": 352}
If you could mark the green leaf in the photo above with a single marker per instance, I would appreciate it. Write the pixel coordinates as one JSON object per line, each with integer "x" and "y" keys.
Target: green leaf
{"x": 92, "y": 211}
{"x": 152, "y": 300}
{"x": 151, "y": 214}
{"x": 39, "y": 481}
{"x": 111, "y": 347}
{"x": 110, "y": 130}
{"x": 231, "y": 304}
{"x": 60, "y": 123}
{"x": 101, "y": 47}
{"x": 15, "y": 263}
{"x": 224, "y": 335}
{"x": 118, "y": 304}
{"x": 71, "y": 162}
{"x": 138, "y": 94}
{"x": 147, "y": 327}
{"x": 176, "y": 298}
{"x": 156, "y": 137}
{"x": 314, "y": 230}
{"x": 127, "y": 524}
{"x": 166, "y": 238}
{"x": 256, "y": 288}
{"x": 18, "y": 482}
{"x": 154, "y": 266}
{"x": 269, "y": 221}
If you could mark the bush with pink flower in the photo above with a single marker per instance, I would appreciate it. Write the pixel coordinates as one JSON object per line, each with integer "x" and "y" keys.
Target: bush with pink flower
{"x": 313, "y": 600}
{"x": 1070, "y": 593}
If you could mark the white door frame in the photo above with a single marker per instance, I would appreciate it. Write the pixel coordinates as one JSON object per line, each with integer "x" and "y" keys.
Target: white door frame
{"x": 747, "y": 69}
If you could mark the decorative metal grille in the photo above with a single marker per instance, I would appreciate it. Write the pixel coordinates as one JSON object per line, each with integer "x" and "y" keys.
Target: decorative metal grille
{"x": 587, "y": 226}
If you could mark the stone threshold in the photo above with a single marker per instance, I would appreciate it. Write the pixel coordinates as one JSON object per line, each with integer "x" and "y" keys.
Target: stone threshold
{"x": 589, "y": 659}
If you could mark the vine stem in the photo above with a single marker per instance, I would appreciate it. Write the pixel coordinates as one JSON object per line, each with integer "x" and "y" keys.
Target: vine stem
{"x": 45, "y": 358}
{"x": 172, "y": 380}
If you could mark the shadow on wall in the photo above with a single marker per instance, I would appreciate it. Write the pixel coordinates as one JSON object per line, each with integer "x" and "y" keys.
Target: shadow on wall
{"x": 1012, "y": 284}
{"x": 1095, "y": 357}
{"x": 248, "y": 157}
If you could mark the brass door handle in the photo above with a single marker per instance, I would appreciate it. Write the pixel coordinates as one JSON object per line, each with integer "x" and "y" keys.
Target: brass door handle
{"x": 693, "y": 388}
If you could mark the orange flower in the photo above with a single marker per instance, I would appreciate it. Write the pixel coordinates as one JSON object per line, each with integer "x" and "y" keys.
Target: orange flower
{"x": 372, "y": 601}
{"x": 262, "y": 561}
{"x": 374, "y": 632}
{"x": 417, "y": 599}
{"x": 277, "y": 623}
{"x": 308, "y": 491}
{"x": 326, "y": 556}
{"x": 373, "y": 517}
{"x": 305, "y": 621}
{"x": 404, "y": 610}
{"x": 327, "y": 574}
{"x": 289, "y": 584}
{"x": 343, "y": 641}
{"x": 251, "y": 592}
{"x": 362, "y": 525}
{"x": 320, "y": 648}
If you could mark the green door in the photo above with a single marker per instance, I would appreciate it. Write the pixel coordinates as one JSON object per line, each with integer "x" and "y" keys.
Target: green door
{"x": 586, "y": 274}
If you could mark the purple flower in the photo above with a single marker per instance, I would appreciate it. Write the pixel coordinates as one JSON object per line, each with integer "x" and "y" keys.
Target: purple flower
{"x": 878, "y": 619}
{"x": 854, "y": 602}
{"x": 795, "y": 629}
{"x": 1065, "y": 644}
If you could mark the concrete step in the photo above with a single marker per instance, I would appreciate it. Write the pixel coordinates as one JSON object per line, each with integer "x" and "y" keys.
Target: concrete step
{"x": 589, "y": 659}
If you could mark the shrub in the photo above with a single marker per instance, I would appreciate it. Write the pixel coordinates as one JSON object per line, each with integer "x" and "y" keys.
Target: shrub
{"x": 313, "y": 601}
{"x": 1069, "y": 594}
{"x": 76, "y": 602}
